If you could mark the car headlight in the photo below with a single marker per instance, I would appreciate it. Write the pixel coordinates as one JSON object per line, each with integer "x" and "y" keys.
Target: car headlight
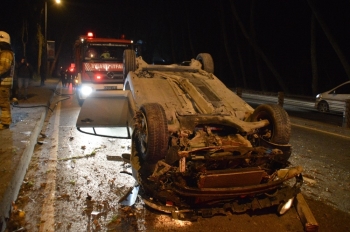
{"x": 318, "y": 96}
{"x": 86, "y": 90}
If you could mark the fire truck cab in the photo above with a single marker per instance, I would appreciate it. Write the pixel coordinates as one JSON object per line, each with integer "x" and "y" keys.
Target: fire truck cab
{"x": 99, "y": 64}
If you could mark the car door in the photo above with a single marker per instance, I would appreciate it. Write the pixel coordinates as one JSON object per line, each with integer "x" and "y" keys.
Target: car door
{"x": 108, "y": 114}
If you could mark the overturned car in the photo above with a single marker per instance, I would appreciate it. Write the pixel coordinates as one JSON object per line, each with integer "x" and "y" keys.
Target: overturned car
{"x": 197, "y": 147}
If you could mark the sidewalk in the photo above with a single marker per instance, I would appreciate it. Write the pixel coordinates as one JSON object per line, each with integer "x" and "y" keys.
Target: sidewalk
{"x": 17, "y": 143}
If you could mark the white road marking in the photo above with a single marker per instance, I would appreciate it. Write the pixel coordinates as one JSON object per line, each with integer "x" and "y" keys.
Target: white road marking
{"x": 47, "y": 220}
{"x": 321, "y": 131}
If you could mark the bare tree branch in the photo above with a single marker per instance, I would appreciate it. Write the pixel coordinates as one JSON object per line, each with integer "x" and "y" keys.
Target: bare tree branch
{"x": 314, "y": 56}
{"x": 330, "y": 37}
{"x": 258, "y": 50}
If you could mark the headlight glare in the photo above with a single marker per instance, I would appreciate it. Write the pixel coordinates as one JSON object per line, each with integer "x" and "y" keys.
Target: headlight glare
{"x": 285, "y": 206}
{"x": 86, "y": 90}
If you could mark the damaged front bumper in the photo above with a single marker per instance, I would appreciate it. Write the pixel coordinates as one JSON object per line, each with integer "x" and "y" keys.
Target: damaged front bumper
{"x": 221, "y": 201}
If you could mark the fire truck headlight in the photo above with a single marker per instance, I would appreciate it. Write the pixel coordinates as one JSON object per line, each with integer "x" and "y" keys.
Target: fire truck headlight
{"x": 86, "y": 90}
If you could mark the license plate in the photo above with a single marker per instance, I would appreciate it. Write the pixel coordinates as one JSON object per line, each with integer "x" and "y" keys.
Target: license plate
{"x": 110, "y": 87}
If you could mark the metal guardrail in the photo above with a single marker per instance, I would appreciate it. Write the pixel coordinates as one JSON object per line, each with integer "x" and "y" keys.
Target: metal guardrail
{"x": 346, "y": 115}
{"x": 294, "y": 100}
{"x": 274, "y": 99}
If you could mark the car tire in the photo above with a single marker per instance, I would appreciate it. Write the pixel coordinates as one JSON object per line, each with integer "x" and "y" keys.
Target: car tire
{"x": 152, "y": 134}
{"x": 323, "y": 107}
{"x": 207, "y": 62}
{"x": 279, "y": 129}
{"x": 129, "y": 62}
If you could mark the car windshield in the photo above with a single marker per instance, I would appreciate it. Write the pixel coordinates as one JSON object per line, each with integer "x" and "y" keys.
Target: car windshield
{"x": 105, "y": 51}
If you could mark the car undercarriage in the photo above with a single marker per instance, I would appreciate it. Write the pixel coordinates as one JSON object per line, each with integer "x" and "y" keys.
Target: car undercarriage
{"x": 215, "y": 167}
{"x": 197, "y": 148}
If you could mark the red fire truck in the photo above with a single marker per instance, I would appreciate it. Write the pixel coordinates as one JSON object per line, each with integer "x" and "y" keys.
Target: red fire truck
{"x": 99, "y": 64}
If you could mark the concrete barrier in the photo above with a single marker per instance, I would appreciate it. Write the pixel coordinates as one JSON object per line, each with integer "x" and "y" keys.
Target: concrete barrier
{"x": 280, "y": 98}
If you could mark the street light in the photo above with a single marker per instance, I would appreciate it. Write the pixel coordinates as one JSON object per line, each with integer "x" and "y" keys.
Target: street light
{"x": 43, "y": 78}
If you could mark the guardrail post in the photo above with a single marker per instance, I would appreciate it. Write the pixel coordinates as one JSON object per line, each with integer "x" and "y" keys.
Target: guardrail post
{"x": 346, "y": 114}
{"x": 280, "y": 98}
{"x": 239, "y": 92}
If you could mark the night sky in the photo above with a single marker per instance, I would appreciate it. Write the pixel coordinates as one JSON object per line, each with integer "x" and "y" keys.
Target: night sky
{"x": 175, "y": 31}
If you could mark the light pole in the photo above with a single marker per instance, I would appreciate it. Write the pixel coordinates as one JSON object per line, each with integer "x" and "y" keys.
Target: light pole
{"x": 45, "y": 71}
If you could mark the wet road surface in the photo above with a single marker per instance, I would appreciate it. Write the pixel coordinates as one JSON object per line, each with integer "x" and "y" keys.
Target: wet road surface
{"x": 75, "y": 182}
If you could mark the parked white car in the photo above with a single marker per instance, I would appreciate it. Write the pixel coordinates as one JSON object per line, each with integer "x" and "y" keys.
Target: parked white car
{"x": 334, "y": 99}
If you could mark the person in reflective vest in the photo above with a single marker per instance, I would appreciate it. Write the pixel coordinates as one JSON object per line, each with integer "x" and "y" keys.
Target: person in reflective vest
{"x": 6, "y": 81}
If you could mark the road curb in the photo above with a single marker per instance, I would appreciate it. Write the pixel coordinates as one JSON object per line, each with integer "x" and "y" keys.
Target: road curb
{"x": 13, "y": 188}
{"x": 18, "y": 175}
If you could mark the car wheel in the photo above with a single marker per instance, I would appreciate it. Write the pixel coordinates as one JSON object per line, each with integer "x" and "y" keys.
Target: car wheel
{"x": 129, "y": 62}
{"x": 323, "y": 106}
{"x": 206, "y": 61}
{"x": 152, "y": 133}
{"x": 279, "y": 129}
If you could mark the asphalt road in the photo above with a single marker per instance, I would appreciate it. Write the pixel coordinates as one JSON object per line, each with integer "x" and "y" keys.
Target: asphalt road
{"x": 75, "y": 182}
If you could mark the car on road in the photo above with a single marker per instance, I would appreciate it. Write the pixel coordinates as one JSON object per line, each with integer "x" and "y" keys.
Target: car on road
{"x": 197, "y": 149}
{"x": 334, "y": 99}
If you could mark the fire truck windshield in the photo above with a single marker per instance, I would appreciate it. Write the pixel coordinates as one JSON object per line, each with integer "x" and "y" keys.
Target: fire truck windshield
{"x": 105, "y": 51}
